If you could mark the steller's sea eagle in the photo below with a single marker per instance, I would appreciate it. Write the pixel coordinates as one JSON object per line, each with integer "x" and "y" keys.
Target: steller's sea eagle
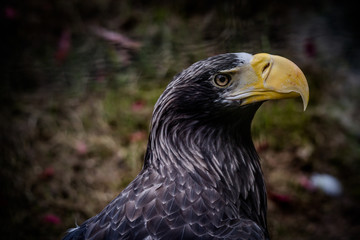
{"x": 202, "y": 177}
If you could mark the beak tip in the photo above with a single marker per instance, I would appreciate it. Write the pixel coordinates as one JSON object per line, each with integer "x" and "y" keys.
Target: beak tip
{"x": 305, "y": 106}
{"x": 305, "y": 100}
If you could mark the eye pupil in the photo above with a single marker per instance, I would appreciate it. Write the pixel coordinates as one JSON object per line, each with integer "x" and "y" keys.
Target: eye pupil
{"x": 222, "y": 80}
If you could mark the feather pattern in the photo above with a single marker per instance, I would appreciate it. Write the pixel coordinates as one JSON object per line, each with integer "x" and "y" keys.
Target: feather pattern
{"x": 201, "y": 178}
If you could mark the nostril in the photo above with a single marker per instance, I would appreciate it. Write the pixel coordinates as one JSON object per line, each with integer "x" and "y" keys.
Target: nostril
{"x": 265, "y": 68}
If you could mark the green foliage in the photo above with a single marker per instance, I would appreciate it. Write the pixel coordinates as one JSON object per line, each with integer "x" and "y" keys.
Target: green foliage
{"x": 281, "y": 123}
{"x": 118, "y": 107}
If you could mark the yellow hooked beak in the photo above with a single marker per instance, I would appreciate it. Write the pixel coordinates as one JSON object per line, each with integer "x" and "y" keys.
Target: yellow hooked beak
{"x": 270, "y": 77}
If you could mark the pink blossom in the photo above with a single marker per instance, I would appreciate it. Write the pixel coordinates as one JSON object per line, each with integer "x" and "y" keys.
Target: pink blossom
{"x": 10, "y": 12}
{"x": 81, "y": 148}
{"x": 138, "y": 136}
{"x": 306, "y": 183}
{"x": 51, "y": 219}
{"x": 47, "y": 173}
{"x": 138, "y": 105}
{"x": 64, "y": 44}
{"x": 280, "y": 198}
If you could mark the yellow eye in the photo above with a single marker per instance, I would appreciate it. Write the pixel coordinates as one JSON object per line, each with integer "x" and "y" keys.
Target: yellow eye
{"x": 222, "y": 80}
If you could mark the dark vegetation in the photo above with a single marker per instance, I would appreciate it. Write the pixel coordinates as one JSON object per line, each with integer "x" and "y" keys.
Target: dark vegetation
{"x": 79, "y": 80}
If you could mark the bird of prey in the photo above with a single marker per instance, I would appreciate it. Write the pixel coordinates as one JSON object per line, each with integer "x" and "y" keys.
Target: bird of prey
{"x": 202, "y": 177}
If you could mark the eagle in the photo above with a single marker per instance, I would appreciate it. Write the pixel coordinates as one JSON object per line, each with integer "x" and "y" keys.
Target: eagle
{"x": 201, "y": 177}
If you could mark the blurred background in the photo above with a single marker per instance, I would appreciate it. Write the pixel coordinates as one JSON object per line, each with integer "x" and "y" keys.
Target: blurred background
{"x": 79, "y": 80}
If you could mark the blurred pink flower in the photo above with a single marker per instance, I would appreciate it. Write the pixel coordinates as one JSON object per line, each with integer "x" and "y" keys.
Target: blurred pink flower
{"x": 138, "y": 136}
{"x": 81, "y": 148}
{"x": 306, "y": 183}
{"x": 63, "y": 48}
{"x": 262, "y": 146}
{"x": 51, "y": 219}
{"x": 279, "y": 198}
{"x": 138, "y": 105}
{"x": 10, "y": 12}
{"x": 47, "y": 173}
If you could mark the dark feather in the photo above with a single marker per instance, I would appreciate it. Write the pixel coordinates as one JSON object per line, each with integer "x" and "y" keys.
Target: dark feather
{"x": 75, "y": 234}
{"x": 201, "y": 177}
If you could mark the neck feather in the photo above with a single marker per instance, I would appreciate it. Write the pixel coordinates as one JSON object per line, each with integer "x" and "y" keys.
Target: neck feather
{"x": 223, "y": 155}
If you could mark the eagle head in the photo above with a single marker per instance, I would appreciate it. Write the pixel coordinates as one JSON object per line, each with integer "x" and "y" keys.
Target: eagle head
{"x": 226, "y": 85}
